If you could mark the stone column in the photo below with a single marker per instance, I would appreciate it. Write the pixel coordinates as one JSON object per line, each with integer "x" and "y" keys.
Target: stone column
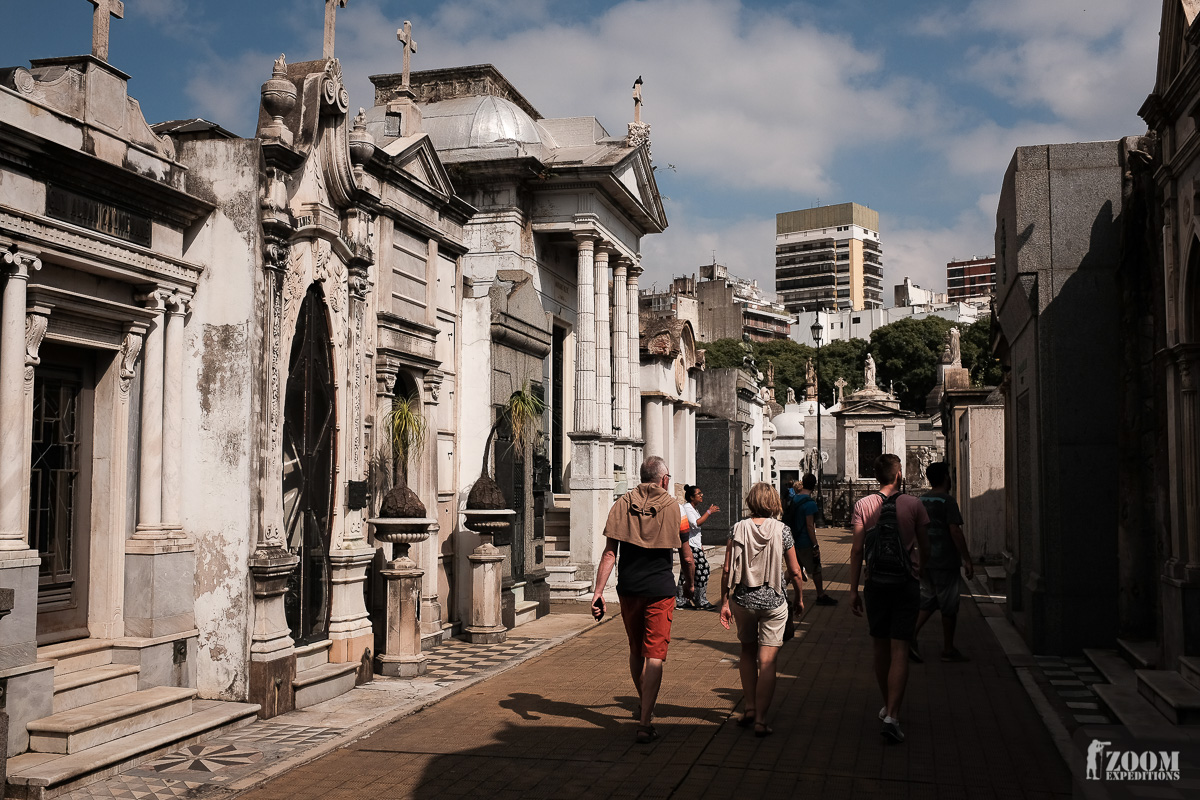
{"x": 36, "y": 323}
{"x": 172, "y": 417}
{"x": 13, "y": 455}
{"x": 585, "y": 337}
{"x": 604, "y": 387}
{"x": 654, "y": 438}
{"x": 621, "y": 342}
{"x": 635, "y": 357}
{"x": 160, "y": 565}
{"x": 149, "y": 525}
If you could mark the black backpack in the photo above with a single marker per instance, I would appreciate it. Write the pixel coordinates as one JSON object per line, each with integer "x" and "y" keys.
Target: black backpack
{"x": 887, "y": 559}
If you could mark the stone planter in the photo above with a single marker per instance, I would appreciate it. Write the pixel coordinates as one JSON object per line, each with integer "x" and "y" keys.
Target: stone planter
{"x": 485, "y": 625}
{"x": 402, "y": 657}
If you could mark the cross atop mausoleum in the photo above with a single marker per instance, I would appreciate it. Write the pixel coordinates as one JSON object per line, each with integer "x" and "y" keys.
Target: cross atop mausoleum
{"x": 331, "y": 7}
{"x": 840, "y": 383}
{"x": 100, "y": 24}
{"x": 404, "y": 36}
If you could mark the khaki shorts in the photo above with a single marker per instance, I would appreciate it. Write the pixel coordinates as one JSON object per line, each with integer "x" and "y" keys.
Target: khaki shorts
{"x": 755, "y": 625}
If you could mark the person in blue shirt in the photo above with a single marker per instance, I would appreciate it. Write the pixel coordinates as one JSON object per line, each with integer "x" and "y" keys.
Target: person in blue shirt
{"x": 802, "y": 519}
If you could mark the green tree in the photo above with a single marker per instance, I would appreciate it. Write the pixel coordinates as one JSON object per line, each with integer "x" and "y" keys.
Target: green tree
{"x": 790, "y": 359}
{"x": 722, "y": 353}
{"x": 976, "y": 346}
{"x": 840, "y": 359}
{"x": 908, "y": 352}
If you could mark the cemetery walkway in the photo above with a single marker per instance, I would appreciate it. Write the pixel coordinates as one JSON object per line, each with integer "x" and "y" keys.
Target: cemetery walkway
{"x": 561, "y": 724}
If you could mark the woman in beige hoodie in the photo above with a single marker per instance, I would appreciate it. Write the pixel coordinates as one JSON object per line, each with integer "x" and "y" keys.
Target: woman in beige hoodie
{"x": 755, "y": 556}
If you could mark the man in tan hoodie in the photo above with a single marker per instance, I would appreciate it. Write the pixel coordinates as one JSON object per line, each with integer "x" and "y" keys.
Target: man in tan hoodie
{"x": 643, "y": 527}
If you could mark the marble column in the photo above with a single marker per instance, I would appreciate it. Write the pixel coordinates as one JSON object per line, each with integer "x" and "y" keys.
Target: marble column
{"x": 150, "y": 470}
{"x": 585, "y": 337}
{"x": 620, "y": 357}
{"x": 604, "y": 387}
{"x": 172, "y": 417}
{"x": 160, "y": 564}
{"x": 635, "y": 356}
{"x": 13, "y": 455}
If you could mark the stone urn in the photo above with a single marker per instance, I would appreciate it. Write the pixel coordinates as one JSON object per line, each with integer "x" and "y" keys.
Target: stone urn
{"x": 278, "y": 98}
{"x": 486, "y": 515}
{"x": 402, "y": 522}
{"x": 402, "y": 532}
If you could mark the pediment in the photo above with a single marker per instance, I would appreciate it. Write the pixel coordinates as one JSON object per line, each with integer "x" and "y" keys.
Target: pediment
{"x": 636, "y": 173}
{"x": 869, "y": 408}
{"x": 416, "y": 156}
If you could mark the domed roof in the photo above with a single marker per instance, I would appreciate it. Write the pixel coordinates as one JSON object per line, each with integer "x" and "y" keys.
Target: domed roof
{"x": 480, "y": 121}
{"x": 789, "y": 424}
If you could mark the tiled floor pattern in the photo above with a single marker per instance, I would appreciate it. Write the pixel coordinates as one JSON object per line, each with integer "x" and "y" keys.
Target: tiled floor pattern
{"x": 1071, "y": 679}
{"x": 202, "y": 770}
{"x": 456, "y": 660}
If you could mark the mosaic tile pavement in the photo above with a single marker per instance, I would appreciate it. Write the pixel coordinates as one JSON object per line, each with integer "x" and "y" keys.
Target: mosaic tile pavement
{"x": 457, "y": 660}
{"x": 1071, "y": 679}
{"x": 203, "y": 770}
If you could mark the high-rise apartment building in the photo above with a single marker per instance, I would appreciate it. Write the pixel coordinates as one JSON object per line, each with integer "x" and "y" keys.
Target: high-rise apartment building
{"x": 829, "y": 258}
{"x": 972, "y": 279}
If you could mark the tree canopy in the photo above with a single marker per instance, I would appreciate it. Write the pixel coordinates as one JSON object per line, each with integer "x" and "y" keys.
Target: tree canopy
{"x": 906, "y": 352}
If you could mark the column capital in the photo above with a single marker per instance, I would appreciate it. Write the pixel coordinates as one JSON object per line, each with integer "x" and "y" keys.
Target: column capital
{"x": 36, "y": 323}
{"x": 19, "y": 264}
{"x": 154, "y": 299}
{"x": 587, "y": 240}
{"x": 603, "y": 251}
{"x": 176, "y": 304}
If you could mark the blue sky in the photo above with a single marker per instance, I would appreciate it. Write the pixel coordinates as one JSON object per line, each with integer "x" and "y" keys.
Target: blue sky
{"x": 756, "y": 107}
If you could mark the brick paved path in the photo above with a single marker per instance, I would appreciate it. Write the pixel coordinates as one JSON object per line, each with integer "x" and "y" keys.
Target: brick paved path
{"x": 561, "y": 725}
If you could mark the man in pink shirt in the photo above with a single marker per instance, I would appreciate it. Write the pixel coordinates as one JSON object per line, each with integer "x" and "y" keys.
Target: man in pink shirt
{"x": 891, "y": 605}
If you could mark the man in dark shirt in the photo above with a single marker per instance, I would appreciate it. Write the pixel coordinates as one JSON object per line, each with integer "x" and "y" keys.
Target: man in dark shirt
{"x": 947, "y": 553}
{"x": 643, "y": 529}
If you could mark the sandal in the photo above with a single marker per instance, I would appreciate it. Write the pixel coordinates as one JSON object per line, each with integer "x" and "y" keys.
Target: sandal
{"x": 646, "y": 734}
{"x": 747, "y": 719}
{"x": 762, "y": 729}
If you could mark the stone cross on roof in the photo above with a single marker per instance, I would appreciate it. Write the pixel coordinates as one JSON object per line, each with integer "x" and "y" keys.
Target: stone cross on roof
{"x": 404, "y": 36}
{"x": 100, "y": 23}
{"x": 840, "y": 383}
{"x": 331, "y": 7}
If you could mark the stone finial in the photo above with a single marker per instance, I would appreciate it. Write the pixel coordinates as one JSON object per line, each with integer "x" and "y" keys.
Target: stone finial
{"x": 278, "y": 99}
{"x": 101, "y": 19}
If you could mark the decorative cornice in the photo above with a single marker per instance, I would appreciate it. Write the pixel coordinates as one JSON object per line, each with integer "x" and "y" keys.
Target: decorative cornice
{"x": 128, "y": 263}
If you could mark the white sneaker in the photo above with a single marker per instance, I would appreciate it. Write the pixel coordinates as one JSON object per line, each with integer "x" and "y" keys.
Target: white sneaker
{"x": 883, "y": 713}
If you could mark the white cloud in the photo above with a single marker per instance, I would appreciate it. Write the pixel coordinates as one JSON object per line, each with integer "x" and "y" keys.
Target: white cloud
{"x": 745, "y": 246}
{"x": 227, "y": 91}
{"x": 921, "y": 252}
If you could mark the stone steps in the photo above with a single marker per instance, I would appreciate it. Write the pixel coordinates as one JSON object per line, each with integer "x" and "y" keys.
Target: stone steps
{"x": 1189, "y": 668}
{"x": 563, "y": 573}
{"x": 524, "y": 611}
{"x": 1142, "y": 655}
{"x": 570, "y": 590}
{"x": 1116, "y": 670}
{"x": 1136, "y": 713}
{"x": 86, "y": 686}
{"x": 1170, "y": 693}
{"x": 77, "y": 655}
{"x": 313, "y": 655}
{"x": 323, "y": 682}
{"x": 557, "y": 558}
{"x": 41, "y": 776}
{"x": 87, "y": 726}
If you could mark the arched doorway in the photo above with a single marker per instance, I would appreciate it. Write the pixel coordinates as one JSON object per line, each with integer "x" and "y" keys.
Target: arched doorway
{"x": 309, "y": 447}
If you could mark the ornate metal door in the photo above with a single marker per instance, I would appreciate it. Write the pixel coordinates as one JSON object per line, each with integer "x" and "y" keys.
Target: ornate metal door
{"x": 59, "y": 495}
{"x": 308, "y": 470}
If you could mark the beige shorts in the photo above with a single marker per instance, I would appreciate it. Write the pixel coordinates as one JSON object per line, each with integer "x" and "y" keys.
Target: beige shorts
{"x": 763, "y": 627}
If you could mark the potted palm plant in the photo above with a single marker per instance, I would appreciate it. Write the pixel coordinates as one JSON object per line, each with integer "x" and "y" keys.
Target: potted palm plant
{"x": 403, "y": 519}
{"x": 487, "y": 511}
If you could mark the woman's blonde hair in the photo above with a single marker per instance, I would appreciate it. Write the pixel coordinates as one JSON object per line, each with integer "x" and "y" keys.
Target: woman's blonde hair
{"x": 763, "y": 501}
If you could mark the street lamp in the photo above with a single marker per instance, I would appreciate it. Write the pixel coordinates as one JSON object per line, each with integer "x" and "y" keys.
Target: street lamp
{"x": 816, "y": 331}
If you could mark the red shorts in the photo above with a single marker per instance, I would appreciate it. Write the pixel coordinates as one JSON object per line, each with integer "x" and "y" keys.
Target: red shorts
{"x": 648, "y": 624}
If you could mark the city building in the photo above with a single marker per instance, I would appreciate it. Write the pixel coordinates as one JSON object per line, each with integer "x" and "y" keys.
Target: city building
{"x": 909, "y": 294}
{"x": 720, "y": 306}
{"x": 847, "y": 325}
{"x": 974, "y": 278}
{"x": 829, "y": 258}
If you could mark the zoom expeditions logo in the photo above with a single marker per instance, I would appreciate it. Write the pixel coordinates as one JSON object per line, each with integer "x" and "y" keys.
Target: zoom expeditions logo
{"x": 1130, "y": 765}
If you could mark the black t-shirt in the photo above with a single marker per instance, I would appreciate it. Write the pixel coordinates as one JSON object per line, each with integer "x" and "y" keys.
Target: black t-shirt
{"x": 645, "y": 572}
